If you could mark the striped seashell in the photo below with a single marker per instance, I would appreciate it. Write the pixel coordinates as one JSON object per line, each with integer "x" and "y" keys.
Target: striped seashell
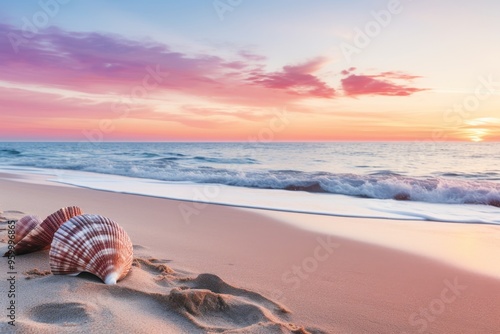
{"x": 94, "y": 244}
{"x": 24, "y": 226}
{"x": 41, "y": 235}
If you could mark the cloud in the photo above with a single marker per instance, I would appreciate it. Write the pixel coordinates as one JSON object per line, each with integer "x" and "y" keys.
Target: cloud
{"x": 346, "y": 72}
{"x": 241, "y": 113}
{"x": 26, "y": 104}
{"x": 483, "y": 121}
{"x": 296, "y": 80}
{"x": 98, "y": 63}
{"x": 396, "y": 75}
{"x": 112, "y": 64}
{"x": 378, "y": 84}
{"x": 93, "y": 62}
{"x": 197, "y": 122}
{"x": 251, "y": 56}
{"x": 71, "y": 80}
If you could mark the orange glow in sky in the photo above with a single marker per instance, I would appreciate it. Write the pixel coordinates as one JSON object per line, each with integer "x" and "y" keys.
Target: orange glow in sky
{"x": 428, "y": 75}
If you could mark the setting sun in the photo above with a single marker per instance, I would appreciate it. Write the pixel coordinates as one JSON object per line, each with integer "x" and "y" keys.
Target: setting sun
{"x": 480, "y": 129}
{"x": 477, "y": 135}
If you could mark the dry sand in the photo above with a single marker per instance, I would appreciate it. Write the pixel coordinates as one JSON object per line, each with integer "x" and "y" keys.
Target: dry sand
{"x": 240, "y": 271}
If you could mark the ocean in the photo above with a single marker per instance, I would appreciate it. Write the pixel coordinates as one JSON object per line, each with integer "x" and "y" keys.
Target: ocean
{"x": 453, "y": 182}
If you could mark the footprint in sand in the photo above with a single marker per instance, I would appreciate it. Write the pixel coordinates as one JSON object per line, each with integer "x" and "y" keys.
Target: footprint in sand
{"x": 153, "y": 265}
{"x": 210, "y": 303}
{"x": 162, "y": 273}
{"x": 64, "y": 314}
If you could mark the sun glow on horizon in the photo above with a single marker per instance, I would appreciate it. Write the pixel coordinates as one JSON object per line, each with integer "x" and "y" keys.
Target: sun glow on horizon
{"x": 477, "y": 130}
{"x": 477, "y": 135}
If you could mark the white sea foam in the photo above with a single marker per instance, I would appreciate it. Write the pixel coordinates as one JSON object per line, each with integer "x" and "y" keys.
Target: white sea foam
{"x": 271, "y": 199}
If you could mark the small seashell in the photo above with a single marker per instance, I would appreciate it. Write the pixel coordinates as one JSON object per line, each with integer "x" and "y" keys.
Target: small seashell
{"x": 41, "y": 235}
{"x": 24, "y": 226}
{"x": 94, "y": 244}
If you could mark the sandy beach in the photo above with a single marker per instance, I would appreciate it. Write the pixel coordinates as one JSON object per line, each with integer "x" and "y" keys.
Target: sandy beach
{"x": 203, "y": 268}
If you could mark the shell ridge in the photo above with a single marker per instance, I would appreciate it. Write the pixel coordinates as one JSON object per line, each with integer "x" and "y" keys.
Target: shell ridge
{"x": 41, "y": 236}
{"x": 93, "y": 244}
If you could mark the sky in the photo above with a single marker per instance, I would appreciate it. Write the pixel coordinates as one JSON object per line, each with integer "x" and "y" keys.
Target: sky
{"x": 250, "y": 70}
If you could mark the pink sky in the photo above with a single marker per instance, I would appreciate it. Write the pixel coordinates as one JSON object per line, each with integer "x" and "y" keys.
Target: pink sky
{"x": 65, "y": 84}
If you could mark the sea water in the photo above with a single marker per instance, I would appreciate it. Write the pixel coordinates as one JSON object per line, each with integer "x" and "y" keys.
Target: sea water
{"x": 454, "y": 182}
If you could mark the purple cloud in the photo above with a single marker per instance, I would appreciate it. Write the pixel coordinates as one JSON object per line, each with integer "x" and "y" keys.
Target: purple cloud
{"x": 377, "y": 84}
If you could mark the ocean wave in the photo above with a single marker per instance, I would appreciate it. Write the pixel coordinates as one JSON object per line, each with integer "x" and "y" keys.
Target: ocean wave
{"x": 431, "y": 190}
{"x": 10, "y": 152}
{"x": 285, "y": 167}
{"x": 379, "y": 185}
{"x": 473, "y": 176}
{"x": 149, "y": 155}
{"x": 384, "y": 172}
{"x": 235, "y": 161}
